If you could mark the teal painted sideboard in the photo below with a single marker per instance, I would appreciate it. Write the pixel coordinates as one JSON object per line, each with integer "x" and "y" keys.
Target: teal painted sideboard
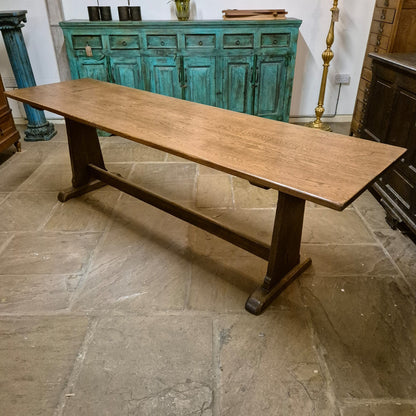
{"x": 245, "y": 66}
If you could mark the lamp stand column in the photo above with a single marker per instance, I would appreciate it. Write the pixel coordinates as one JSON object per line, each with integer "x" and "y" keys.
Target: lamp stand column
{"x": 327, "y": 56}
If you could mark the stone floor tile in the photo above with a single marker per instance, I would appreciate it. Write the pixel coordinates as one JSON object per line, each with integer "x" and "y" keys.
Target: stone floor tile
{"x": 3, "y": 196}
{"x": 47, "y": 253}
{"x": 389, "y": 409}
{"x": 250, "y": 196}
{"x": 37, "y": 357}
{"x": 344, "y": 260}
{"x": 223, "y": 284}
{"x": 328, "y": 226}
{"x": 89, "y": 212}
{"x": 38, "y": 152}
{"x": 141, "y": 280}
{"x": 373, "y": 213}
{"x": 175, "y": 181}
{"x": 365, "y": 326}
{"x": 403, "y": 251}
{"x": 34, "y": 294}
{"x": 129, "y": 151}
{"x": 155, "y": 366}
{"x": 49, "y": 177}
{"x": 214, "y": 191}
{"x": 268, "y": 366}
{"x": 13, "y": 175}
{"x": 141, "y": 265}
{"x": 26, "y": 211}
{"x": 255, "y": 223}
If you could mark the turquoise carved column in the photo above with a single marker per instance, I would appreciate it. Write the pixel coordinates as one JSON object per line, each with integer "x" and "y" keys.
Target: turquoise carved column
{"x": 38, "y": 128}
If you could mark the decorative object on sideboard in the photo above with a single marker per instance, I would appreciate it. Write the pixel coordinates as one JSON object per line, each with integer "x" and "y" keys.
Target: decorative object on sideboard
{"x": 268, "y": 14}
{"x": 129, "y": 12}
{"x": 327, "y": 56}
{"x": 99, "y": 12}
{"x": 181, "y": 9}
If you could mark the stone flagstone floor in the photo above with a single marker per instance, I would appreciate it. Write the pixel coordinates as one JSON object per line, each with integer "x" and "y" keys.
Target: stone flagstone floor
{"x": 111, "y": 307}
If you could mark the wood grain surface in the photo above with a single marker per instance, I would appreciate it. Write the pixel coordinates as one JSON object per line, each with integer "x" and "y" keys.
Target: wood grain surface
{"x": 326, "y": 168}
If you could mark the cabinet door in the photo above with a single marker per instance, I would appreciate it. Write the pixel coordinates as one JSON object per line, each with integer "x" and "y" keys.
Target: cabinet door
{"x": 162, "y": 76}
{"x": 237, "y": 84}
{"x": 199, "y": 80}
{"x": 93, "y": 68}
{"x": 402, "y": 129}
{"x": 378, "y": 110}
{"x": 127, "y": 71}
{"x": 270, "y": 80}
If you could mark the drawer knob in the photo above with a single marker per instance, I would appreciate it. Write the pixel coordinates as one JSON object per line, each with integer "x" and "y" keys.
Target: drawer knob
{"x": 402, "y": 160}
{"x": 200, "y": 43}
{"x": 162, "y": 43}
{"x": 376, "y": 49}
{"x": 124, "y": 43}
{"x": 386, "y": 3}
{"x": 275, "y": 42}
{"x": 383, "y": 14}
{"x": 237, "y": 42}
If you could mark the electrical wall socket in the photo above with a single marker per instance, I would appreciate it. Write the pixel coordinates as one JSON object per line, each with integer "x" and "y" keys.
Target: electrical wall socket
{"x": 342, "y": 78}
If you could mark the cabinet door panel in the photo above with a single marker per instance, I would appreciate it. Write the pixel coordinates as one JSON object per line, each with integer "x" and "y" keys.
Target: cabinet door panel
{"x": 92, "y": 68}
{"x": 377, "y": 113}
{"x": 200, "y": 80}
{"x": 402, "y": 131}
{"x": 162, "y": 76}
{"x": 271, "y": 87}
{"x": 127, "y": 72}
{"x": 238, "y": 91}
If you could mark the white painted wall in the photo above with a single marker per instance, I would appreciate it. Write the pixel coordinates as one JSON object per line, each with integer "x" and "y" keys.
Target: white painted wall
{"x": 351, "y": 33}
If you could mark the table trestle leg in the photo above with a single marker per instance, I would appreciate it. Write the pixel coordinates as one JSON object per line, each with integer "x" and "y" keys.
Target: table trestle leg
{"x": 84, "y": 148}
{"x": 284, "y": 261}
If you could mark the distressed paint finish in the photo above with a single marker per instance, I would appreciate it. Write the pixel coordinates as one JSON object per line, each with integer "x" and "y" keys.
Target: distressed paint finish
{"x": 10, "y": 26}
{"x": 245, "y": 66}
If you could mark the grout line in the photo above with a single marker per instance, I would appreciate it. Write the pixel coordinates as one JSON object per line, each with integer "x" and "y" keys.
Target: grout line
{"x": 76, "y": 370}
{"x": 216, "y": 370}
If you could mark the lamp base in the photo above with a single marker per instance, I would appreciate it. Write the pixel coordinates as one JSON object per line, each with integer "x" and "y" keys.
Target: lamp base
{"x": 318, "y": 124}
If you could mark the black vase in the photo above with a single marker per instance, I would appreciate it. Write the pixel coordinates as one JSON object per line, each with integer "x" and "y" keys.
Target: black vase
{"x": 135, "y": 13}
{"x": 105, "y": 12}
{"x": 123, "y": 13}
{"x": 93, "y": 13}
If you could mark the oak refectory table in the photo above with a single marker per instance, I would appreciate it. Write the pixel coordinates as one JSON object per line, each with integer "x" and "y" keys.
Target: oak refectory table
{"x": 303, "y": 164}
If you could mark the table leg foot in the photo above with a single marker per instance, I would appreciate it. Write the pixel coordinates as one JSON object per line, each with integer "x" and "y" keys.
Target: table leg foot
{"x": 74, "y": 192}
{"x": 261, "y": 298}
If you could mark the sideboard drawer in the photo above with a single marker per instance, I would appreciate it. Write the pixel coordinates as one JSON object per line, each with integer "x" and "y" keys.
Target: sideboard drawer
{"x": 243, "y": 41}
{"x": 124, "y": 42}
{"x": 162, "y": 42}
{"x": 275, "y": 40}
{"x": 81, "y": 41}
{"x": 200, "y": 41}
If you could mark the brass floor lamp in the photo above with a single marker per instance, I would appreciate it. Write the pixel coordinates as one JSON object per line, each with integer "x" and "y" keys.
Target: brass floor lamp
{"x": 327, "y": 56}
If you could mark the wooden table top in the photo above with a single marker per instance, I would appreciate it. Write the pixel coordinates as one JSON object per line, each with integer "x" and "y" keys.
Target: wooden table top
{"x": 327, "y": 168}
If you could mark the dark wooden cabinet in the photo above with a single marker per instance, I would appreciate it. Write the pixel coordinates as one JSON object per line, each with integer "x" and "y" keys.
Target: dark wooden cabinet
{"x": 8, "y": 133}
{"x": 393, "y": 29}
{"x": 390, "y": 117}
